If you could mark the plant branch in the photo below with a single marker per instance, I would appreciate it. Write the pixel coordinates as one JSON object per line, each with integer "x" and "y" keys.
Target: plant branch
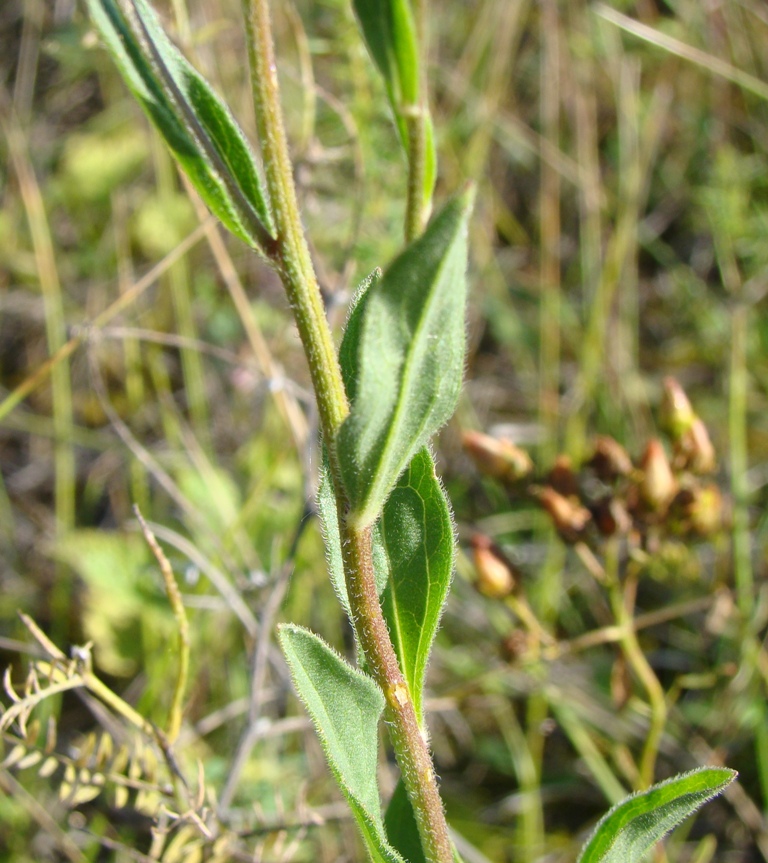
{"x": 296, "y": 271}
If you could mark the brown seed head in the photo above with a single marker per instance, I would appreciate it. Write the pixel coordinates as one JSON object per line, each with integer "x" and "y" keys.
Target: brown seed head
{"x": 695, "y": 450}
{"x": 516, "y": 645}
{"x": 611, "y": 516}
{"x": 562, "y": 478}
{"x": 705, "y": 511}
{"x": 497, "y": 458}
{"x": 658, "y": 484}
{"x": 569, "y": 517}
{"x": 676, "y": 413}
{"x": 610, "y": 459}
{"x": 494, "y": 575}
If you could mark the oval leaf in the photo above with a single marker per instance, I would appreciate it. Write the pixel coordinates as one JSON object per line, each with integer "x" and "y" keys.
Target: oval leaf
{"x": 345, "y": 706}
{"x": 417, "y": 537}
{"x": 197, "y": 126}
{"x": 633, "y": 826}
{"x": 409, "y": 363}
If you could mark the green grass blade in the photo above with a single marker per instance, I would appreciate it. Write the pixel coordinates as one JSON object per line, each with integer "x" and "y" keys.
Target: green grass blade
{"x": 345, "y": 706}
{"x": 633, "y": 826}
{"x": 195, "y": 123}
{"x": 410, "y": 361}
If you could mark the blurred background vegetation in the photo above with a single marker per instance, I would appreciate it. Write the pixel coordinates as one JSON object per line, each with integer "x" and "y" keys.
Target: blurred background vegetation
{"x": 621, "y": 153}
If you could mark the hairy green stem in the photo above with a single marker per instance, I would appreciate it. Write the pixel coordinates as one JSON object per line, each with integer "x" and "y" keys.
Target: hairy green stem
{"x": 292, "y": 259}
{"x": 416, "y": 209}
{"x": 293, "y": 262}
{"x": 410, "y": 747}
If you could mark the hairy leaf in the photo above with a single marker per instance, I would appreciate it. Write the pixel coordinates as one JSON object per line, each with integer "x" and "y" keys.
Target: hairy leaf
{"x": 409, "y": 363}
{"x": 326, "y": 505}
{"x": 417, "y": 536}
{"x": 197, "y": 126}
{"x": 345, "y": 706}
{"x": 390, "y": 33}
{"x": 633, "y": 826}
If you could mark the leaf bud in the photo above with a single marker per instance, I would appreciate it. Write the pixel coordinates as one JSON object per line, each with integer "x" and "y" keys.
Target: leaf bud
{"x": 658, "y": 484}
{"x": 494, "y": 574}
{"x": 610, "y": 459}
{"x": 497, "y": 457}
{"x": 569, "y": 517}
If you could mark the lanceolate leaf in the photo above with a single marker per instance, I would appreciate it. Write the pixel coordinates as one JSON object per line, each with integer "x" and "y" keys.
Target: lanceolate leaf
{"x": 195, "y": 123}
{"x": 410, "y": 361}
{"x": 633, "y": 826}
{"x": 326, "y": 504}
{"x": 390, "y": 33}
{"x": 389, "y": 30}
{"x": 345, "y": 706}
{"x": 417, "y": 535}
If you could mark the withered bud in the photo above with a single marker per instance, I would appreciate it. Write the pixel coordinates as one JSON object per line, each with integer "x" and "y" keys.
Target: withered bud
{"x": 611, "y": 516}
{"x": 676, "y": 413}
{"x": 610, "y": 460}
{"x": 569, "y": 517}
{"x": 562, "y": 478}
{"x": 658, "y": 484}
{"x": 497, "y": 457}
{"x": 494, "y": 574}
{"x": 695, "y": 449}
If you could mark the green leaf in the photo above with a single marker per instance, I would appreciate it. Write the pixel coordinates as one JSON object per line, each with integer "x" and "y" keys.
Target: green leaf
{"x": 197, "y": 126}
{"x": 413, "y": 555}
{"x": 326, "y": 505}
{"x": 633, "y": 826}
{"x": 345, "y": 706}
{"x": 401, "y": 826}
{"x": 350, "y": 341}
{"x": 417, "y": 535}
{"x": 390, "y": 33}
{"x": 410, "y": 361}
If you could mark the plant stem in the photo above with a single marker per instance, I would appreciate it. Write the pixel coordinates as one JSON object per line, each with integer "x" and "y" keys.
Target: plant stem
{"x": 294, "y": 265}
{"x": 410, "y": 747}
{"x": 416, "y": 210}
{"x": 622, "y": 601}
{"x": 293, "y": 259}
